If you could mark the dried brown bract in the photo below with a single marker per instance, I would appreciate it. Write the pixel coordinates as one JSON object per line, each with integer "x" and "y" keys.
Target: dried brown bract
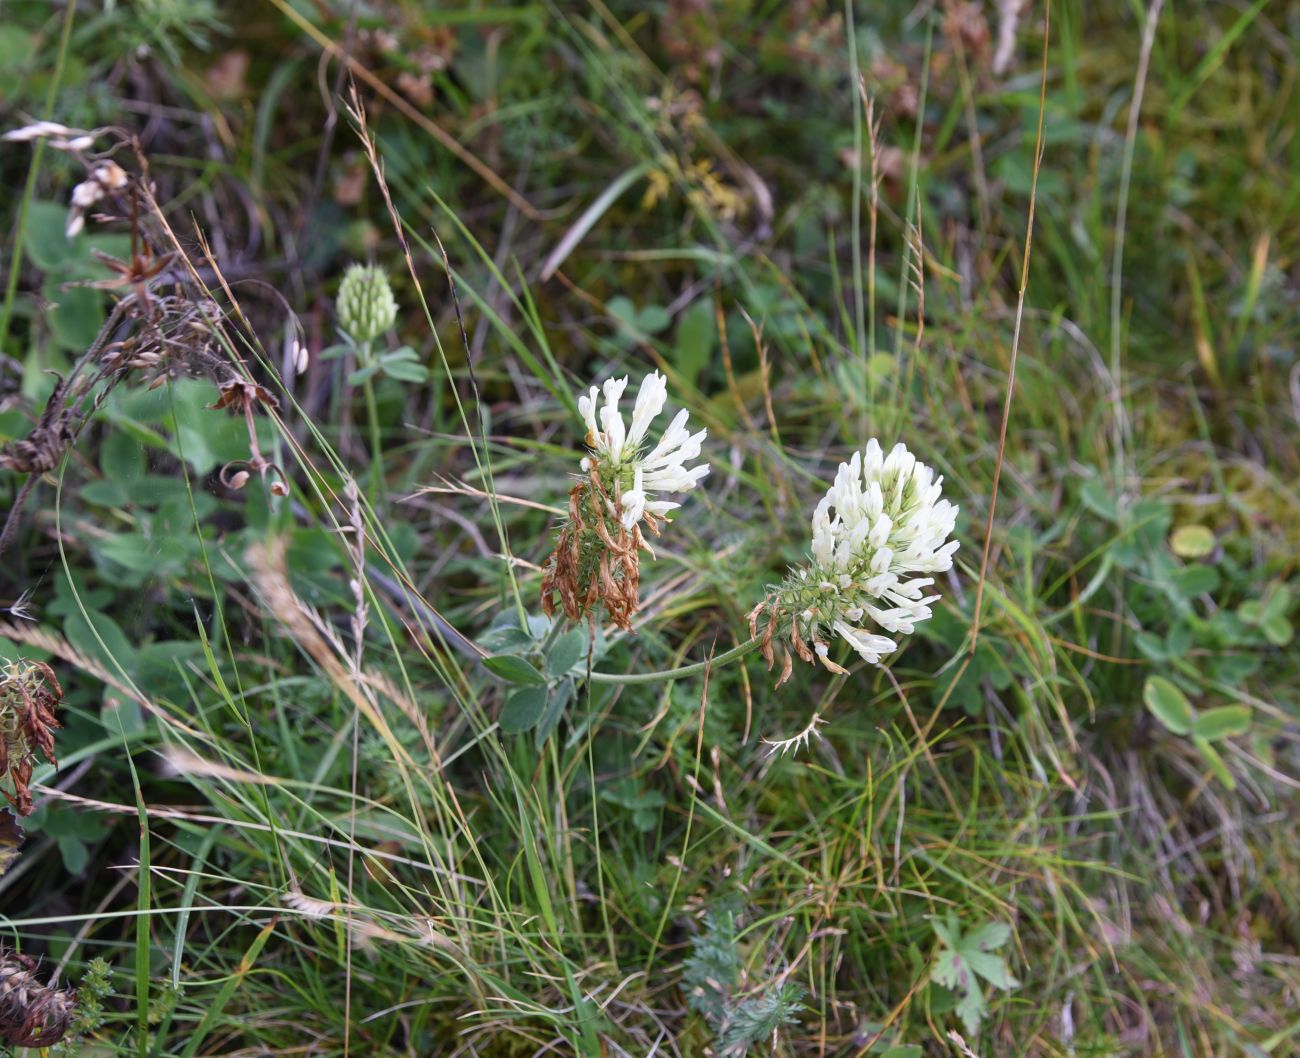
{"x": 784, "y": 622}
{"x": 592, "y": 565}
{"x": 31, "y": 1014}
{"x": 29, "y": 695}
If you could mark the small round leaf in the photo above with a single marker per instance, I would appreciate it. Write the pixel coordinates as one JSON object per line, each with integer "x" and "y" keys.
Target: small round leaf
{"x": 1168, "y": 704}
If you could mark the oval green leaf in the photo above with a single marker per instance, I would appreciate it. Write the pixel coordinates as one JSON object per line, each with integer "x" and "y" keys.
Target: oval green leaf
{"x": 1226, "y": 721}
{"x": 567, "y": 651}
{"x": 523, "y": 710}
{"x": 1168, "y": 704}
{"x": 514, "y": 669}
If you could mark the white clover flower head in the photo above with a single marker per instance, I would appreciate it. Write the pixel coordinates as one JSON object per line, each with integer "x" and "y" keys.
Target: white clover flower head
{"x": 622, "y": 449}
{"x": 881, "y": 527}
{"x": 366, "y": 306}
{"x": 596, "y": 561}
{"x": 882, "y": 522}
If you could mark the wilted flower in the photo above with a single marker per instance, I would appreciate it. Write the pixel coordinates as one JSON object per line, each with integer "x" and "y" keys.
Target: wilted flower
{"x": 29, "y": 695}
{"x": 593, "y": 560}
{"x": 243, "y": 396}
{"x": 880, "y": 527}
{"x": 31, "y": 1014}
{"x": 366, "y": 306}
{"x": 106, "y": 178}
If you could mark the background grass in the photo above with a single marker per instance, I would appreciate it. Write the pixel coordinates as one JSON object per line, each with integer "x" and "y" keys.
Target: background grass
{"x": 285, "y": 813}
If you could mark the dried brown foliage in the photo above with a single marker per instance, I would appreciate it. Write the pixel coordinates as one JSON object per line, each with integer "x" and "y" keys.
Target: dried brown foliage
{"x": 783, "y": 621}
{"x": 29, "y": 695}
{"x": 597, "y": 560}
{"x": 164, "y": 325}
{"x": 31, "y": 1014}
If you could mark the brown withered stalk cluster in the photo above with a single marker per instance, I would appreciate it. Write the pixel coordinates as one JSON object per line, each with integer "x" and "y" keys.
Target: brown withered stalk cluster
{"x": 31, "y": 1014}
{"x": 163, "y": 325}
{"x": 29, "y": 695}
{"x": 783, "y": 622}
{"x": 591, "y": 565}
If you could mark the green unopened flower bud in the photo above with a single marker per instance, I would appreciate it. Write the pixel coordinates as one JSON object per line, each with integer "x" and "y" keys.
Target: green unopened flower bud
{"x": 366, "y": 305}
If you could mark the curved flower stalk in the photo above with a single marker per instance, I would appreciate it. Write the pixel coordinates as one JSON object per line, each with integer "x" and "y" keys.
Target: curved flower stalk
{"x": 597, "y": 555}
{"x": 881, "y": 527}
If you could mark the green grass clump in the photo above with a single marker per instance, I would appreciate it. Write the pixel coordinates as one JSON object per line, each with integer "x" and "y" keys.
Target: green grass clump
{"x": 294, "y": 811}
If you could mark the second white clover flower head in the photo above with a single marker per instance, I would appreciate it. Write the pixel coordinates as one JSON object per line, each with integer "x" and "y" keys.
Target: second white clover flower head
{"x": 621, "y": 448}
{"x": 881, "y": 526}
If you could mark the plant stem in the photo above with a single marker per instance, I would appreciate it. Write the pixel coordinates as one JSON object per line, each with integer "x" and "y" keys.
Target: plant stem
{"x": 731, "y": 655}
{"x": 372, "y": 413}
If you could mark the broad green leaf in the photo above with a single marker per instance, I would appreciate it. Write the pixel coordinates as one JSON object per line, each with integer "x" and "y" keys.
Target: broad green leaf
{"x": 951, "y": 971}
{"x": 695, "y": 331}
{"x": 75, "y": 855}
{"x": 1225, "y": 721}
{"x": 988, "y": 937}
{"x": 405, "y": 371}
{"x": 121, "y": 458}
{"x": 965, "y": 959}
{"x": 653, "y": 318}
{"x": 1277, "y": 630}
{"x": 523, "y": 710}
{"x": 971, "y": 1009}
{"x": 18, "y": 49}
{"x": 105, "y": 493}
{"x": 1098, "y": 499}
{"x": 47, "y": 243}
{"x": 990, "y": 967}
{"x": 1167, "y": 703}
{"x": 514, "y": 669}
{"x": 550, "y": 720}
{"x": 101, "y": 638}
{"x": 568, "y": 650}
{"x": 76, "y": 315}
{"x": 1277, "y": 603}
{"x": 1197, "y": 579}
{"x": 948, "y": 930}
{"x": 505, "y": 638}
